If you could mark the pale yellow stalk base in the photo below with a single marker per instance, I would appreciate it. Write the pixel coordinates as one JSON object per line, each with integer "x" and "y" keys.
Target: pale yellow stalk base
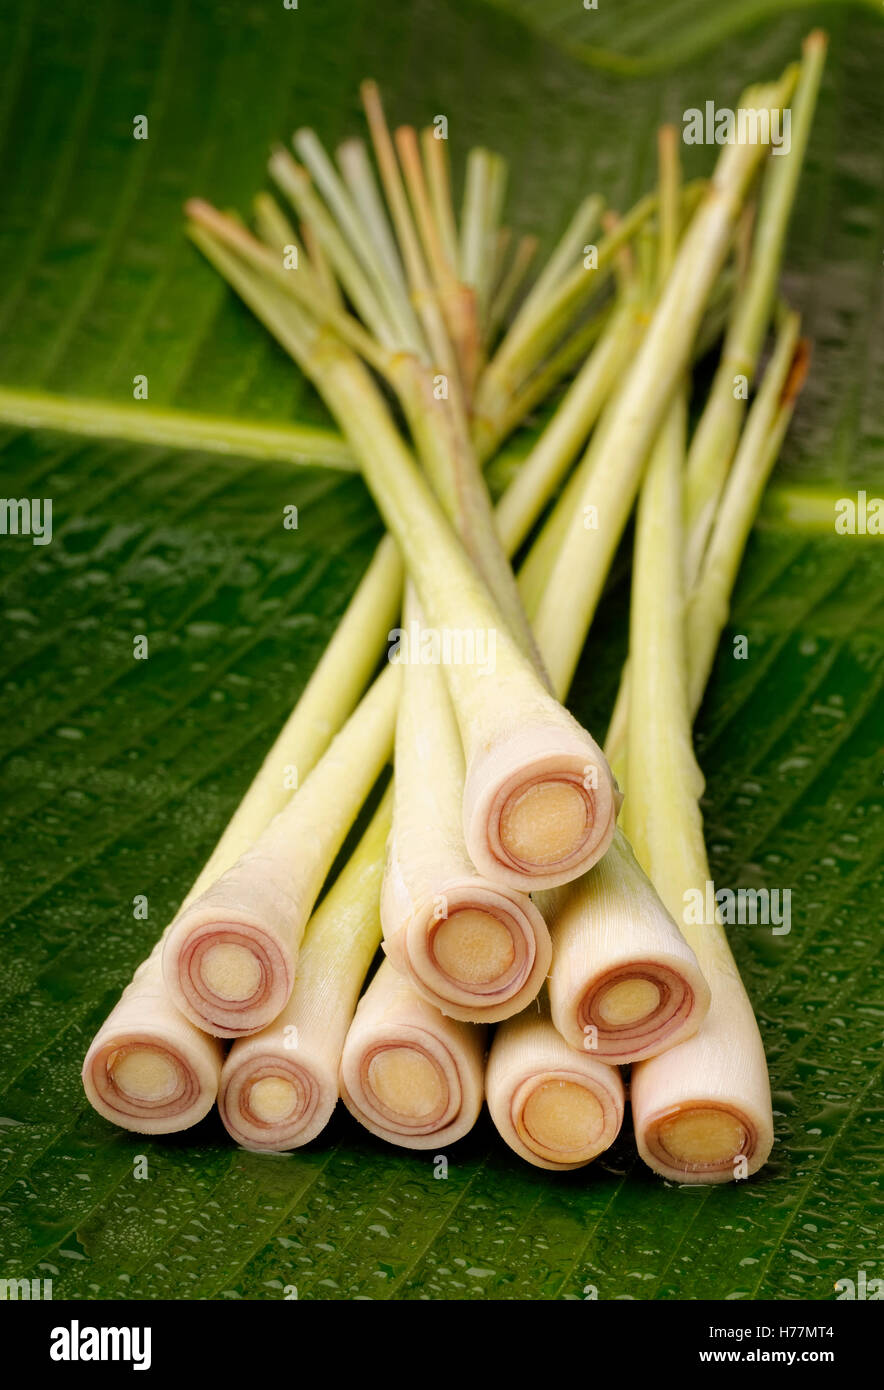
{"x": 701, "y": 1111}
{"x": 554, "y": 1106}
{"x": 408, "y": 1074}
{"x": 515, "y": 734}
{"x": 476, "y": 950}
{"x": 280, "y": 1086}
{"x": 481, "y": 961}
{"x": 229, "y": 957}
{"x": 148, "y": 1069}
{"x": 624, "y": 984}
{"x": 540, "y": 807}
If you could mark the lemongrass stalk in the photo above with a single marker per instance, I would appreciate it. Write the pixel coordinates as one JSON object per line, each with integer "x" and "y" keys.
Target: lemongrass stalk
{"x": 325, "y": 955}
{"x": 280, "y": 1086}
{"x": 473, "y": 226}
{"x": 535, "y": 572}
{"x": 743, "y": 240}
{"x": 359, "y": 176}
{"x": 475, "y": 948}
{"x": 308, "y": 292}
{"x": 537, "y": 568}
{"x": 229, "y": 957}
{"x": 435, "y": 152}
{"x": 624, "y": 983}
{"x": 702, "y": 1111}
{"x": 525, "y": 345}
{"x": 554, "y": 1106}
{"x": 426, "y": 304}
{"x": 709, "y": 596}
{"x": 488, "y": 434}
{"x": 539, "y": 804}
{"x": 274, "y": 228}
{"x": 569, "y": 250}
{"x": 756, "y": 454}
{"x": 441, "y": 268}
{"x": 148, "y": 1069}
{"x": 496, "y": 200}
{"x": 670, "y": 177}
{"x": 457, "y": 301}
{"x": 322, "y": 267}
{"x": 573, "y": 419}
{"x": 349, "y": 220}
{"x": 716, "y": 435}
{"x": 439, "y": 424}
{"x": 618, "y": 451}
{"x": 510, "y": 284}
{"x": 480, "y": 218}
{"x": 409, "y": 1074}
{"x": 326, "y": 702}
{"x": 669, "y": 219}
{"x": 445, "y": 449}
{"x": 710, "y": 331}
{"x": 294, "y": 182}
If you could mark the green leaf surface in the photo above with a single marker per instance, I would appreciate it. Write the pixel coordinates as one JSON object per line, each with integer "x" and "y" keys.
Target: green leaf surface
{"x": 117, "y": 776}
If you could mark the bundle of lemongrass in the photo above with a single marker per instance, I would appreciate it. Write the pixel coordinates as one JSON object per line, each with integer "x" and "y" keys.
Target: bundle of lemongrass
{"x": 378, "y": 291}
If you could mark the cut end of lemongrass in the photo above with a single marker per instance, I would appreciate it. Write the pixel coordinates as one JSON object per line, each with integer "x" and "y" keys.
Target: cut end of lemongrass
{"x": 409, "y": 1086}
{"x": 152, "y": 1084}
{"x": 231, "y": 978}
{"x": 565, "y": 1119}
{"x": 230, "y": 972}
{"x": 624, "y": 984}
{"x": 629, "y": 1001}
{"x": 540, "y": 808}
{"x": 273, "y": 1098}
{"x": 272, "y": 1102}
{"x": 702, "y": 1142}
{"x": 562, "y": 1117}
{"x": 403, "y": 1083}
{"x": 546, "y": 823}
{"x": 637, "y": 1010}
{"x": 143, "y": 1074}
{"x": 406, "y": 1084}
{"x": 474, "y": 947}
{"x": 484, "y": 960}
